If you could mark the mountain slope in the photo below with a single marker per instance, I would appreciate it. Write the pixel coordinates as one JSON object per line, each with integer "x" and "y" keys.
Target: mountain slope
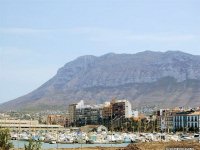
{"x": 167, "y": 79}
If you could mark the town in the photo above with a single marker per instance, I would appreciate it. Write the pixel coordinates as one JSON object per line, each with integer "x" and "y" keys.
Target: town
{"x": 111, "y": 122}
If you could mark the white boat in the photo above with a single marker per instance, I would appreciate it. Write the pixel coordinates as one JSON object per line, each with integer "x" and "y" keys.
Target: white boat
{"x": 52, "y": 142}
{"x": 24, "y": 137}
{"x": 41, "y": 138}
{"x": 14, "y": 137}
{"x": 186, "y": 138}
{"x": 174, "y": 138}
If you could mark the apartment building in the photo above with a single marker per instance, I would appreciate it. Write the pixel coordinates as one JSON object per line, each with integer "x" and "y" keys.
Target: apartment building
{"x": 121, "y": 108}
{"x": 186, "y": 121}
{"x": 165, "y": 120}
{"x": 88, "y": 114}
{"x": 72, "y": 114}
{"x": 107, "y": 110}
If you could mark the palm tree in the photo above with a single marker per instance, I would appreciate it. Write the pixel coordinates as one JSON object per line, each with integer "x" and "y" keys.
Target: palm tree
{"x": 5, "y": 143}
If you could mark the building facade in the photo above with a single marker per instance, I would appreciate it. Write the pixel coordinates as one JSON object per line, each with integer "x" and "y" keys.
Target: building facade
{"x": 56, "y": 120}
{"x": 186, "y": 121}
{"x": 88, "y": 114}
{"x": 165, "y": 120}
{"x": 121, "y": 108}
{"x": 72, "y": 114}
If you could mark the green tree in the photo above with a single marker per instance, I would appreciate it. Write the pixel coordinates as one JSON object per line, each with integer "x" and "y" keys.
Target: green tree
{"x": 33, "y": 145}
{"x": 5, "y": 143}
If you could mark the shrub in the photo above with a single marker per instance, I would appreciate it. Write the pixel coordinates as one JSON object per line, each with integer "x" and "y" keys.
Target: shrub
{"x": 5, "y": 143}
{"x": 33, "y": 145}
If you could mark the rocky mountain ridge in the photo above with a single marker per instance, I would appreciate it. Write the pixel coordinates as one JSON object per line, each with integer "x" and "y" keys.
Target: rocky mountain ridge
{"x": 143, "y": 78}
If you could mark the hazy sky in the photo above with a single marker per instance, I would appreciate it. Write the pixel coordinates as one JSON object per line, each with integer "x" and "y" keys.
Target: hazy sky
{"x": 39, "y": 36}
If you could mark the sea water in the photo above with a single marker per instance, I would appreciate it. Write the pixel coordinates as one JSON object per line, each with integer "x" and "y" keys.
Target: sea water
{"x": 20, "y": 144}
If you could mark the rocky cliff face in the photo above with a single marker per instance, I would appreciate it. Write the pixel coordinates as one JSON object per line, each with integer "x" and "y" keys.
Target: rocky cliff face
{"x": 143, "y": 78}
{"x": 119, "y": 69}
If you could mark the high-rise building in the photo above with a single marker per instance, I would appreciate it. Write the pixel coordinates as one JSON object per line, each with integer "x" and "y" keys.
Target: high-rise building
{"x": 165, "y": 120}
{"x": 88, "y": 114}
{"x": 121, "y": 108}
{"x": 107, "y": 110}
{"x": 72, "y": 114}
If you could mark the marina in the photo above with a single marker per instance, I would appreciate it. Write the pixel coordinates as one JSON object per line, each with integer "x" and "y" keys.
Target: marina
{"x": 79, "y": 139}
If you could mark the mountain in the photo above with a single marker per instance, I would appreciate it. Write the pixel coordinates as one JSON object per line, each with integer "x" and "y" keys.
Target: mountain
{"x": 147, "y": 78}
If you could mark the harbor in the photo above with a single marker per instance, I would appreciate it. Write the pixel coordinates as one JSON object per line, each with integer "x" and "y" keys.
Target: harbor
{"x": 79, "y": 139}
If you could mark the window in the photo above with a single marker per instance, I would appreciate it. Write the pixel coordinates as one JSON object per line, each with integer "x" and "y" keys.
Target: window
{"x": 195, "y": 118}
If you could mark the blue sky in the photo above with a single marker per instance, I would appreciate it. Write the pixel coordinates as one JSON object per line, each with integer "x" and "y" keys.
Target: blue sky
{"x": 39, "y": 36}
